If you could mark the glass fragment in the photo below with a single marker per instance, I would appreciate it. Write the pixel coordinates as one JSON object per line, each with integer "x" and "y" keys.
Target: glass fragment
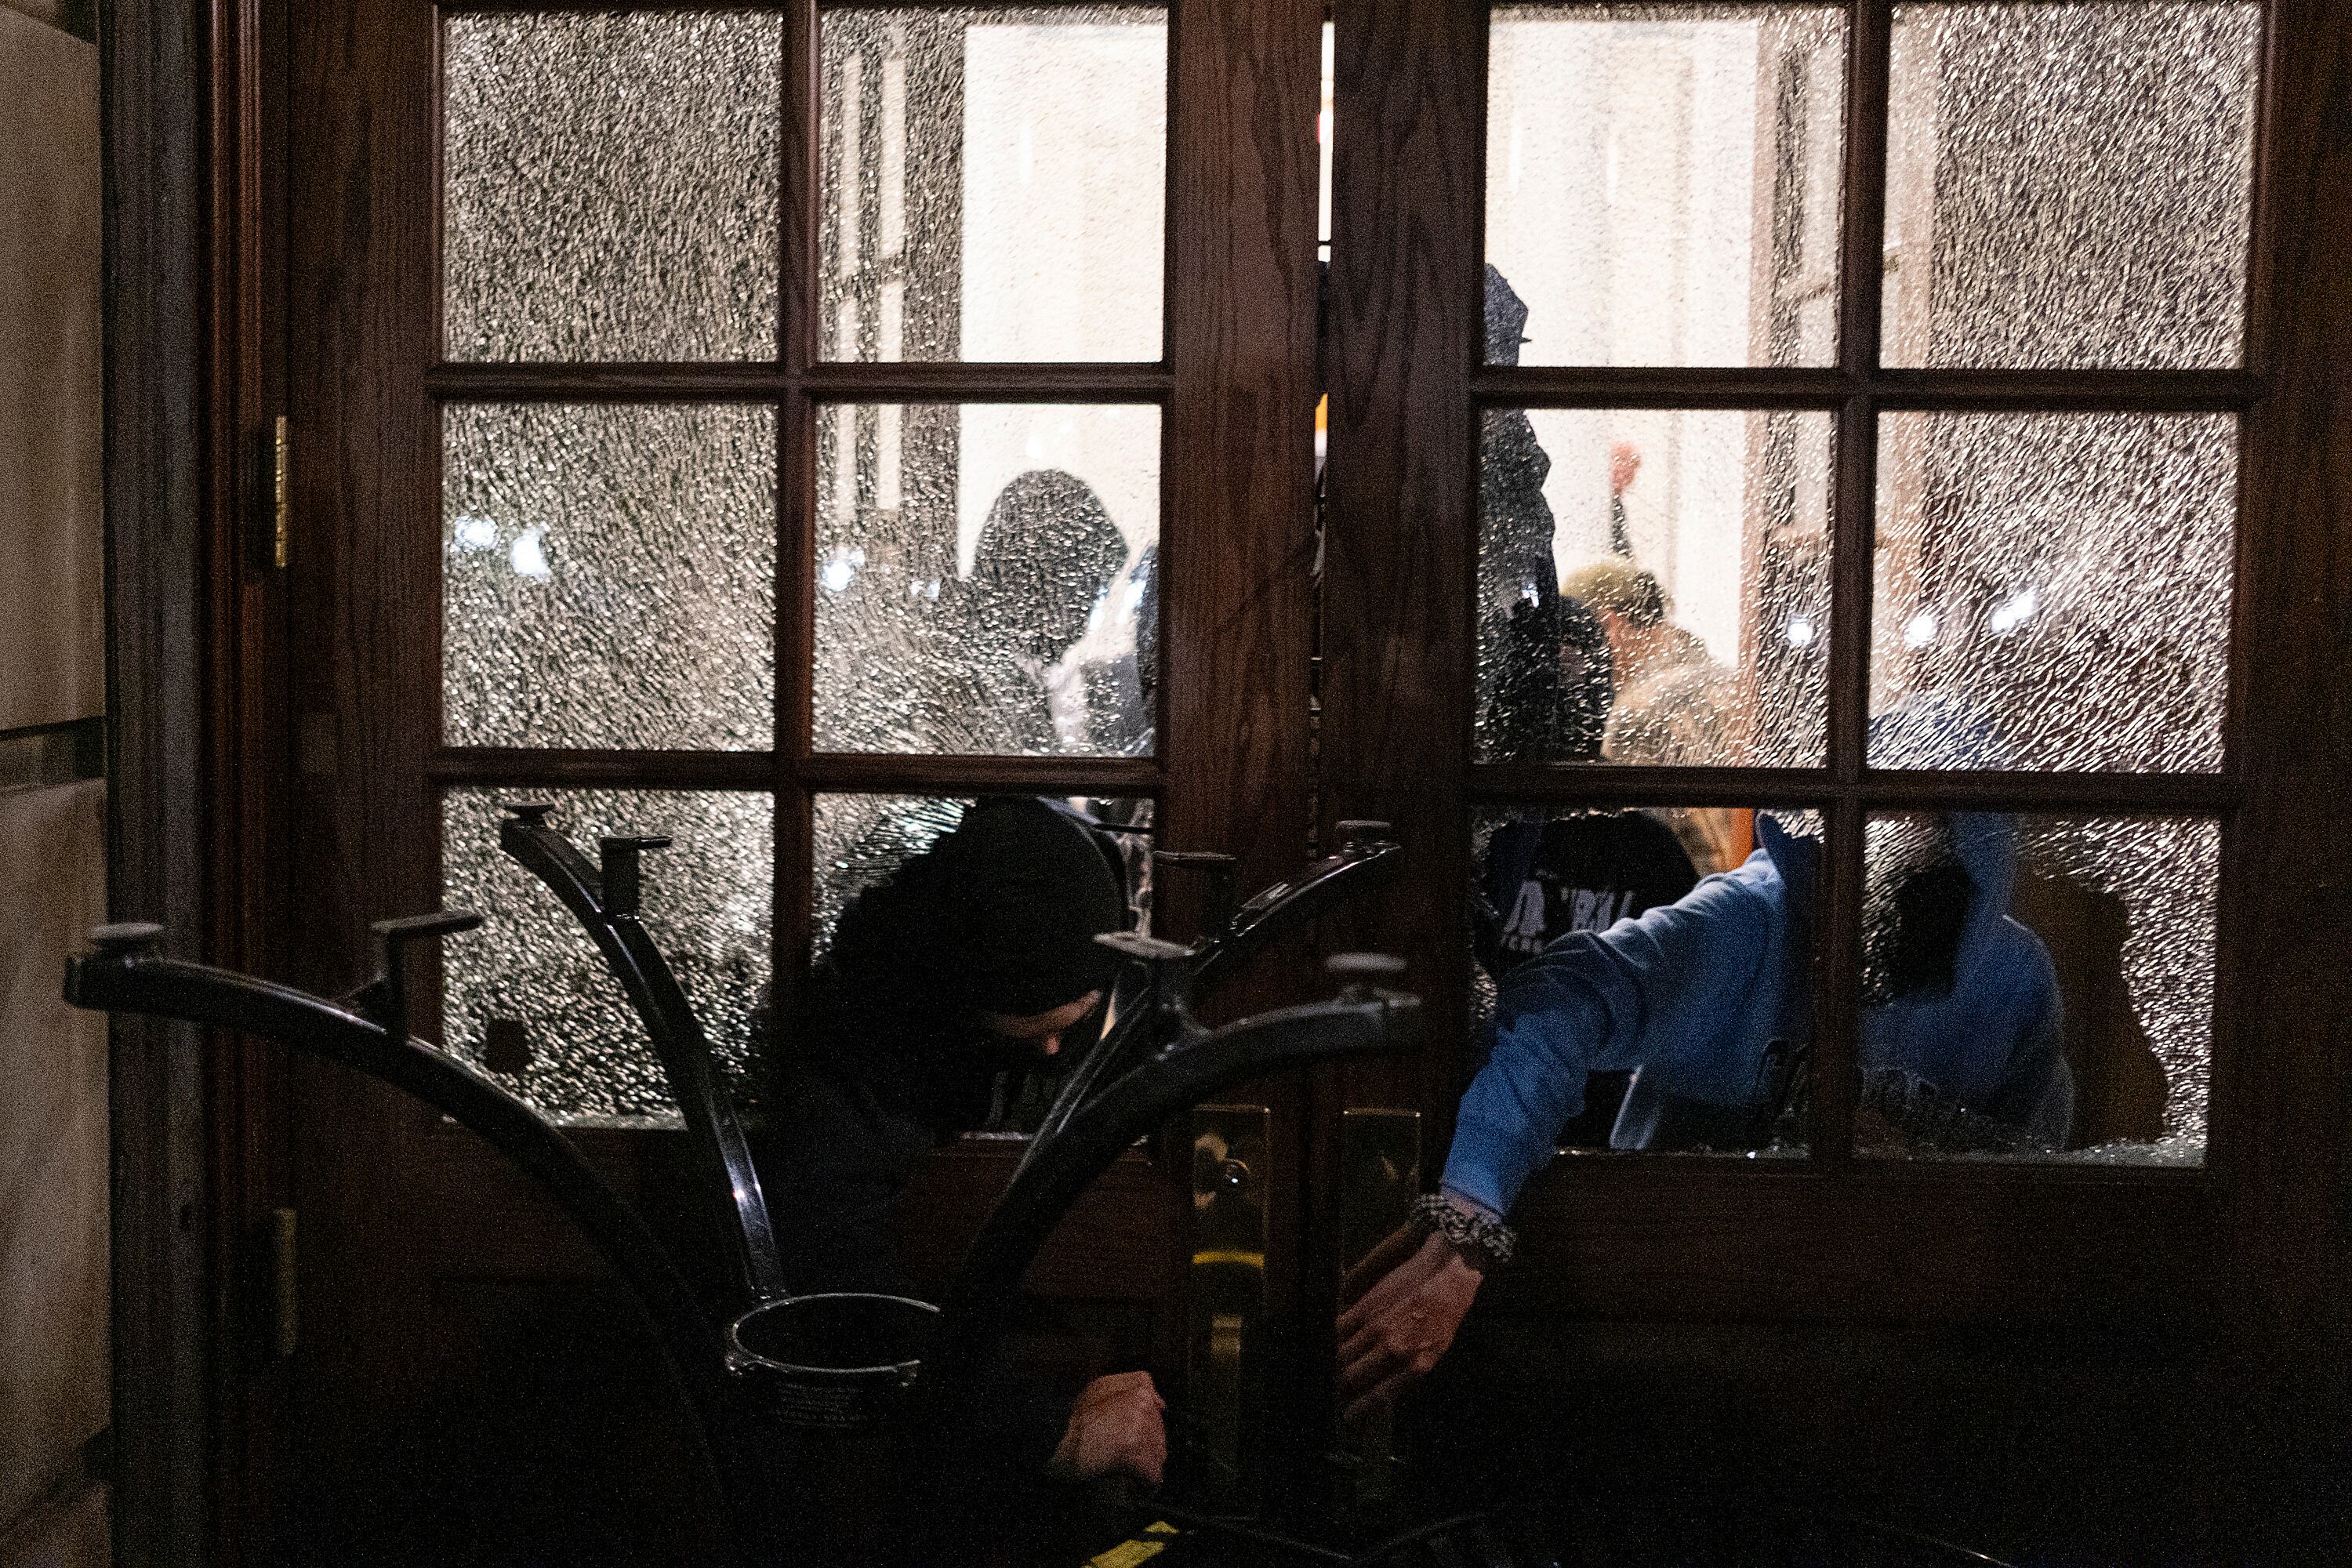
{"x": 611, "y": 185}
{"x": 1737, "y": 1086}
{"x": 2080, "y": 1030}
{"x": 608, "y": 575}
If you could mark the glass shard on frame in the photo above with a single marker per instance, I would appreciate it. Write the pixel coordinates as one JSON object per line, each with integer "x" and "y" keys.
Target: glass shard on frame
{"x": 986, "y": 578}
{"x": 994, "y": 183}
{"x": 527, "y": 999}
{"x": 1653, "y": 586}
{"x": 611, "y": 185}
{"x": 1662, "y": 184}
{"x": 2070, "y": 185}
{"x": 2053, "y": 591}
{"x": 608, "y": 575}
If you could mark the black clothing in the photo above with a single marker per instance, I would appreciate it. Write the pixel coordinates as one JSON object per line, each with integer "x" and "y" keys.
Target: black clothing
{"x": 1545, "y": 879}
{"x": 892, "y": 1058}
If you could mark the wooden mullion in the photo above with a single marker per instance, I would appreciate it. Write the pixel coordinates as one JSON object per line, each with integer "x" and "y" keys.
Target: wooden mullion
{"x": 606, "y": 382}
{"x": 900, "y": 774}
{"x": 2054, "y": 793}
{"x": 1402, "y": 342}
{"x": 1837, "y": 973}
{"x": 1615, "y": 386}
{"x": 2281, "y": 1093}
{"x": 587, "y": 769}
{"x": 841, "y": 380}
{"x": 2066, "y": 391}
{"x": 802, "y": 145}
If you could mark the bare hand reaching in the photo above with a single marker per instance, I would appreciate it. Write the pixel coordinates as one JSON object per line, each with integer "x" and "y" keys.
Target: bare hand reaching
{"x": 1403, "y": 1305}
{"x": 1116, "y": 1428}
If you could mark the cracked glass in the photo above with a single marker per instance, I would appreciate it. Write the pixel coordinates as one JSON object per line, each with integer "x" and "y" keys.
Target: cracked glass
{"x": 527, "y": 999}
{"x": 1662, "y": 184}
{"x": 987, "y": 578}
{"x": 608, "y": 575}
{"x": 611, "y": 185}
{"x": 2070, "y": 185}
{"x": 2053, "y": 591}
{"x": 1653, "y": 586}
{"x": 2079, "y": 1029}
{"x": 994, "y": 183}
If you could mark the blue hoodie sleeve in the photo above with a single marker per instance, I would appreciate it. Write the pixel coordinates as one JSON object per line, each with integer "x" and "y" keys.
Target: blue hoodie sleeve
{"x": 1670, "y": 987}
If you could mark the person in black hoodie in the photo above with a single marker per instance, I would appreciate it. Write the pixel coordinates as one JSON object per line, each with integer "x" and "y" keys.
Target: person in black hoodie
{"x": 974, "y": 957}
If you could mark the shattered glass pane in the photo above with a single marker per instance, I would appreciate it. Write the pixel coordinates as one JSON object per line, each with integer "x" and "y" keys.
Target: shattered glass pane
{"x": 1662, "y": 183}
{"x": 2070, "y": 185}
{"x": 2052, "y": 590}
{"x": 1653, "y": 586}
{"x": 2079, "y": 1029}
{"x": 609, "y": 575}
{"x": 526, "y": 997}
{"x": 612, "y": 183}
{"x": 986, "y": 578}
{"x": 993, "y": 181}
{"x": 862, "y": 839}
{"x": 1541, "y": 873}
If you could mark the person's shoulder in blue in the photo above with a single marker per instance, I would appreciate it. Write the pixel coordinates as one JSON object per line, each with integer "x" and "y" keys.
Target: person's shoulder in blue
{"x": 1707, "y": 998}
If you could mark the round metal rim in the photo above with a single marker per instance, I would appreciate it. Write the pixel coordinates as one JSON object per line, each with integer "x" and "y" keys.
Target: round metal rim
{"x": 745, "y": 1354}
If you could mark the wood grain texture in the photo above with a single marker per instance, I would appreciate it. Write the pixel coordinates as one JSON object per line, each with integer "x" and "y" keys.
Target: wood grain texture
{"x": 1401, "y": 518}
{"x": 2283, "y": 1084}
{"x": 1237, "y": 533}
{"x": 362, "y": 606}
{"x": 1721, "y": 1239}
{"x": 153, "y": 64}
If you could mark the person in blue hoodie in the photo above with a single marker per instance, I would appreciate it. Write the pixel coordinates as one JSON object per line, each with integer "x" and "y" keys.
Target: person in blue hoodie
{"x": 1708, "y": 1001}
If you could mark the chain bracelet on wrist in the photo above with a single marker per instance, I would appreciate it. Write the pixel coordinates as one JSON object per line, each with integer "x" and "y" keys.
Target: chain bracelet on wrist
{"x": 1478, "y": 1234}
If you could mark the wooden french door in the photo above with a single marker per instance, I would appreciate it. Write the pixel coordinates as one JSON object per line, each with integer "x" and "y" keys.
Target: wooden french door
{"x": 1928, "y": 359}
{"x": 655, "y": 373}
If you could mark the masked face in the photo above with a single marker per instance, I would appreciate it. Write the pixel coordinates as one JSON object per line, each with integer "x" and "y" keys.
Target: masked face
{"x": 1031, "y": 1039}
{"x": 1915, "y": 908}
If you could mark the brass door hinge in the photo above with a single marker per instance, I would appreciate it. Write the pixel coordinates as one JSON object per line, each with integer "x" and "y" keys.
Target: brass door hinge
{"x": 281, "y": 489}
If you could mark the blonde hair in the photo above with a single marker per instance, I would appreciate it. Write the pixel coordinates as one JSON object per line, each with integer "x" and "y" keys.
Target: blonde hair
{"x": 1620, "y": 587}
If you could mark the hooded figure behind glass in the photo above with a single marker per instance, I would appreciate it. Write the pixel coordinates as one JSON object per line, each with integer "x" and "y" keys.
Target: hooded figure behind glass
{"x": 974, "y": 957}
{"x": 1048, "y": 554}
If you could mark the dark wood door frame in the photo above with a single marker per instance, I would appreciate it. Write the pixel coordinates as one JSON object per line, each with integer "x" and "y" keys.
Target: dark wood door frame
{"x": 192, "y": 334}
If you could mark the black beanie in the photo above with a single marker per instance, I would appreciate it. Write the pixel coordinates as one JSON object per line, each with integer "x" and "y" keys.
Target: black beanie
{"x": 1027, "y": 889}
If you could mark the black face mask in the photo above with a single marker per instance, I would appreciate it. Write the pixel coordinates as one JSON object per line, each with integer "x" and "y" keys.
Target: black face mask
{"x": 1915, "y": 908}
